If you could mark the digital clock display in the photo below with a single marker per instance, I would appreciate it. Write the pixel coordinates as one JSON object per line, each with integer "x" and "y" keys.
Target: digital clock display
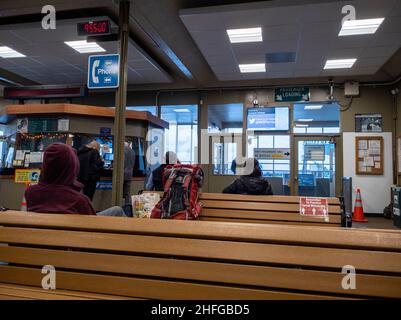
{"x": 94, "y": 28}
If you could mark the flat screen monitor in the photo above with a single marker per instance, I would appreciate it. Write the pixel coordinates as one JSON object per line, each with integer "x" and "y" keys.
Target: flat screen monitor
{"x": 347, "y": 193}
{"x": 268, "y": 119}
{"x": 108, "y": 157}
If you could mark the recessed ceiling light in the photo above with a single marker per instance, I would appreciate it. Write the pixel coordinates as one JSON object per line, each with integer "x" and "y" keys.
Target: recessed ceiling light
{"x": 245, "y": 35}
{"x": 181, "y": 110}
{"x": 312, "y": 107}
{"x": 6, "y": 52}
{"x": 82, "y": 46}
{"x": 305, "y": 120}
{"x": 339, "y": 64}
{"x": 255, "y": 67}
{"x": 363, "y": 26}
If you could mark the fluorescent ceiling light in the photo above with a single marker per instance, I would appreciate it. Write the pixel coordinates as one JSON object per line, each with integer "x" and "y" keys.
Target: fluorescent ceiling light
{"x": 312, "y": 107}
{"x": 302, "y": 125}
{"x": 339, "y": 64}
{"x": 363, "y": 26}
{"x": 6, "y": 52}
{"x": 82, "y": 46}
{"x": 181, "y": 110}
{"x": 305, "y": 120}
{"x": 255, "y": 67}
{"x": 245, "y": 35}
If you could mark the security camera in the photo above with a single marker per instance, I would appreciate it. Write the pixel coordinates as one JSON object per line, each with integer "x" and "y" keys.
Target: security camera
{"x": 395, "y": 91}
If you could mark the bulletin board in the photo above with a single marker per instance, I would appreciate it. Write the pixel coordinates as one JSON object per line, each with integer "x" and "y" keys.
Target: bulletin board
{"x": 369, "y": 153}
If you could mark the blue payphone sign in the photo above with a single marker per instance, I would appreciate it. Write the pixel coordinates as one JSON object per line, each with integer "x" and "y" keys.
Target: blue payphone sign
{"x": 103, "y": 71}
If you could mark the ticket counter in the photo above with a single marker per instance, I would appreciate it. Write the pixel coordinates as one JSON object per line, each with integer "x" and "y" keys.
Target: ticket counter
{"x": 34, "y": 126}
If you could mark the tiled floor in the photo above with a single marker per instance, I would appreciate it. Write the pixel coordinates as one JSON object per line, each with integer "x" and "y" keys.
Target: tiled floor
{"x": 376, "y": 223}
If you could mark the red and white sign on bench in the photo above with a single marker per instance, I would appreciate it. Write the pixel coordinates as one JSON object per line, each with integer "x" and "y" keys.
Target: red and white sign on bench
{"x": 314, "y": 207}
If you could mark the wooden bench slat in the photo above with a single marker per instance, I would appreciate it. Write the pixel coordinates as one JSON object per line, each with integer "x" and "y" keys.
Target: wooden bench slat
{"x": 350, "y": 238}
{"x": 260, "y": 221}
{"x": 209, "y": 249}
{"x": 239, "y": 205}
{"x": 39, "y": 293}
{"x": 147, "y": 288}
{"x": 261, "y": 198}
{"x": 255, "y": 198}
{"x": 261, "y": 276}
{"x": 264, "y": 215}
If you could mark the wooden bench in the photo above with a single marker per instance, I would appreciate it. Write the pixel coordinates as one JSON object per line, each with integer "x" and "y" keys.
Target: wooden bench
{"x": 263, "y": 209}
{"x": 164, "y": 259}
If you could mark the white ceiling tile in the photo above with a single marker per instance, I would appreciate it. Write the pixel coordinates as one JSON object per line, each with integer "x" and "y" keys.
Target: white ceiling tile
{"x": 309, "y": 30}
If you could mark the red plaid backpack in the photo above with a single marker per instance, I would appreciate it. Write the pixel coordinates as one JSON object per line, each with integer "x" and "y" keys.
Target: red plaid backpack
{"x": 180, "y": 199}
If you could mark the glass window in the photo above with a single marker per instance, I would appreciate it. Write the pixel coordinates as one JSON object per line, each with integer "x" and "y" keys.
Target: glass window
{"x": 225, "y": 118}
{"x": 317, "y": 118}
{"x": 151, "y": 109}
{"x": 182, "y": 136}
{"x": 272, "y": 166}
{"x": 223, "y": 157}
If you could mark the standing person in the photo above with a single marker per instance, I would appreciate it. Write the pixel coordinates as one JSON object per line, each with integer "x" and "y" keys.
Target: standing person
{"x": 253, "y": 183}
{"x": 155, "y": 179}
{"x": 58, "y": 190}
{"x": 129, "y": 163}
{"x": 91, "y": 165}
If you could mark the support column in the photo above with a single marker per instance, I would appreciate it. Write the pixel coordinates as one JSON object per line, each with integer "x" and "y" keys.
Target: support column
{"x": 121, "y": 101}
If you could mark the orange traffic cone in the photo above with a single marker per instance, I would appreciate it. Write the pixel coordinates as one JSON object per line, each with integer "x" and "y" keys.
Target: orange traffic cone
{"x": 358, "y": 209}
{"x": 23, "y": 203}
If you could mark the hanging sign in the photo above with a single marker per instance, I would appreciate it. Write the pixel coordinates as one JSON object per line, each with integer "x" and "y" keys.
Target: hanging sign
{"x": 27, "y": 176}
{"x": 291, "y": 94}
{"x": 104, "y": 71}
{"x": 272, "y": 153}
{"x": 315, "y": 207}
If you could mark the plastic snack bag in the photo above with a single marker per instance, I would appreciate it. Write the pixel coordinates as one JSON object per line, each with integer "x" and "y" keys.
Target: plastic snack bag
{"x": 143, "y": 204}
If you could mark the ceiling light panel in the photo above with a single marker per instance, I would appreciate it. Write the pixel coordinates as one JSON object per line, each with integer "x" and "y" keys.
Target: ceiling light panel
{"x": 245, "y": 35}
{"x": 82, "y": 46}
{"x": 255, "y": 67}
{"x": 339, "y": 64}
{"x": 363, "y": 26}
{"x": 6, "y": 52}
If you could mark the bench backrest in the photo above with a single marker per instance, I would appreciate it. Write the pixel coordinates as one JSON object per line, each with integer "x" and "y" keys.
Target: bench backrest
{"x": 163, "y": 259}
{"x": 263, "y": 209}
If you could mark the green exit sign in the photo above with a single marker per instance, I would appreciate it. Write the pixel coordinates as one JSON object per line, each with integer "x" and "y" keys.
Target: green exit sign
{"x": 291, "y": 94}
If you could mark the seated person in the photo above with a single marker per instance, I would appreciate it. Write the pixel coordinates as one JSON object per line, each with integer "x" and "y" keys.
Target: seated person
{"x": 58, "y": 190}
{"x": 252, "y": 184}
{"x": 155, "y": 179}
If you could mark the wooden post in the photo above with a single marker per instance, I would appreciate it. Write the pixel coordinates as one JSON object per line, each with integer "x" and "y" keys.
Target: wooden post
{"x": 121, "y": 99}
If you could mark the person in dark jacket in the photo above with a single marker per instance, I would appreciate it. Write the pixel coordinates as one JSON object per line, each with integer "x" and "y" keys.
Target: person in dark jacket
{"x": 91, "y": 165}
{"x": 253, "y": 184}
{"x": 155, "y": 179}
{"x": 58, "y": 190}
{"x": 129, "y": 164}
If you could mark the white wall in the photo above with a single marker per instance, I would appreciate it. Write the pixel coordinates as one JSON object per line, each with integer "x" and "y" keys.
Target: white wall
{"x": 375, "y": 190}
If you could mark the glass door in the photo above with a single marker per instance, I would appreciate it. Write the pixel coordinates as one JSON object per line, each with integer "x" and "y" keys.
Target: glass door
{"x": 315, "y": 167}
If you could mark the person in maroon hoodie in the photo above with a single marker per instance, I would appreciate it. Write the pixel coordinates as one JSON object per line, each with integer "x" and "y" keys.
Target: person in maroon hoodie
{"x": 58, "y": 190}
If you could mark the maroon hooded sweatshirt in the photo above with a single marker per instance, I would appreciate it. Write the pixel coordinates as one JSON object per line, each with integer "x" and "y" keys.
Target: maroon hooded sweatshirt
{"x": 58, "y": 190}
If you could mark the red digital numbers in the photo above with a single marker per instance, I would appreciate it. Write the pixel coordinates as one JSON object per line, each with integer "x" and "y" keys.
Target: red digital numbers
{"x": 96, "y": 27}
